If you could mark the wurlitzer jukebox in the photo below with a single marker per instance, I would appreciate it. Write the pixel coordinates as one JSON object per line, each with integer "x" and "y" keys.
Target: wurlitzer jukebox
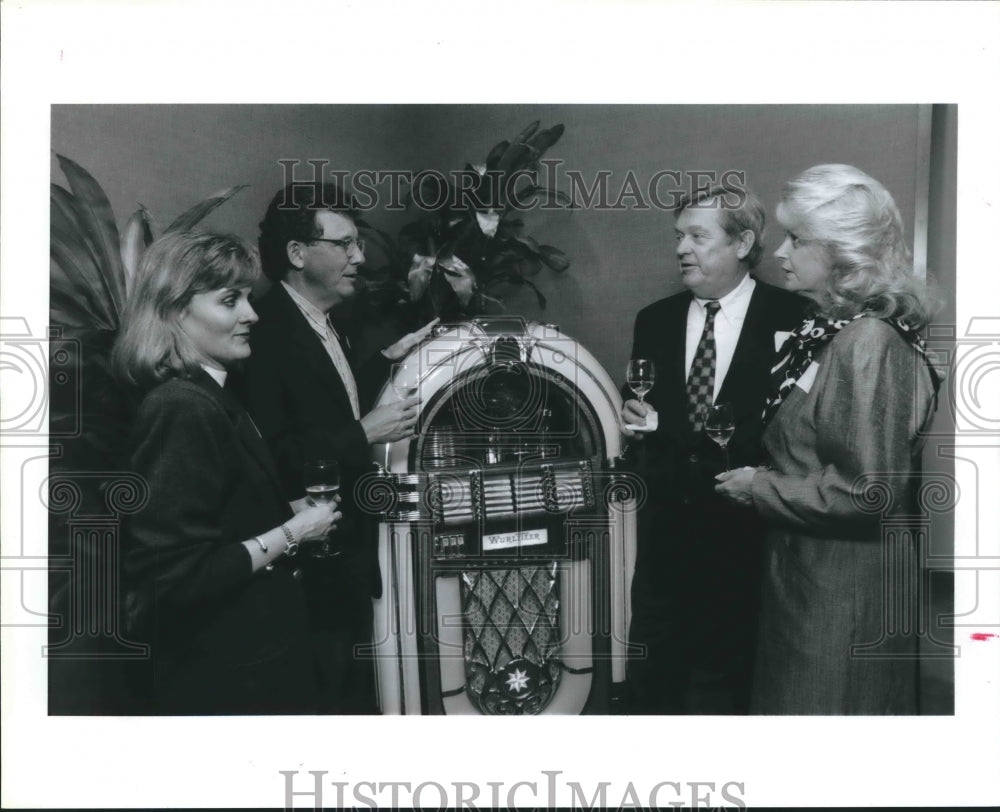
{"x": 508, "y": 537}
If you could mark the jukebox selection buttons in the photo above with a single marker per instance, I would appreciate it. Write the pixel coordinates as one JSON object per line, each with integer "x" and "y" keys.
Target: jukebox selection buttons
{"x": 449, "y": 545}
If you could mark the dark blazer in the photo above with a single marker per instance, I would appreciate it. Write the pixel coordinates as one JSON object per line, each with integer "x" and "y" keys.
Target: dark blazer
{"x": 292, "y": 389}
{"x": 224, "y": 639}
{"x": 295, "y": 395}
{"x": 697, "y": 573}
{"x": 676, "y": 461}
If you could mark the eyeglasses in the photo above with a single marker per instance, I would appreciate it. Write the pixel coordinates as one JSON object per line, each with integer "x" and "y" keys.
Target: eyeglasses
{"x": 347, "y": 243}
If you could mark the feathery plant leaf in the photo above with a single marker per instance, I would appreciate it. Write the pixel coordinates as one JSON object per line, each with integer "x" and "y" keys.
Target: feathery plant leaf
{"x": 493, "y": 159}
{"x": 66, "y": 262}
{"x": 546, "y": 138}
{"x": 136, "y": 238}
{"x": 69, "y": 306}
{"x": 530, "y": 242}
{"x": 67, "y": 220}
{"x": 484, "y": 228}
{"x": 200, "y": 211}
{"x": 98, "y": 220}
{"x": 92, "y": 265}
{"x": 527, "y": 132}
{"x": 517, "y": 156}
{"x": 67, "y": 224}
{"x": 554, "y": 258}
{"x": 74, "y": 269}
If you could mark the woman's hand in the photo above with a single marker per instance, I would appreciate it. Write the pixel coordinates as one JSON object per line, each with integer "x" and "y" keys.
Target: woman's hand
{"x": 298, "y": 505}
{"x": 314, "y": 522}
{"x": 408, "y": 342}
{"x": 736, "y": 486}
{"x": 634, "y": 412}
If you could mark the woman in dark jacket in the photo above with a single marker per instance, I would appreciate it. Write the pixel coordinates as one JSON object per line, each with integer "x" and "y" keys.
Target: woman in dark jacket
{"x": 210, "y": 556}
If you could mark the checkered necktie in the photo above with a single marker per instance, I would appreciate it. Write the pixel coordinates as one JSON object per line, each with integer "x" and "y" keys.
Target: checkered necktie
{"x": 701, "y": 380}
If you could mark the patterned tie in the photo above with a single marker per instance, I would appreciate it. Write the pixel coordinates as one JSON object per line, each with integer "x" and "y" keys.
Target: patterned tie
{"x": 701, "y": 381}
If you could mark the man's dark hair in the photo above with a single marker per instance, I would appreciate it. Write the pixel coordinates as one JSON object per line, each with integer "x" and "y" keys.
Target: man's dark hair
{"x": 292, "y": 216}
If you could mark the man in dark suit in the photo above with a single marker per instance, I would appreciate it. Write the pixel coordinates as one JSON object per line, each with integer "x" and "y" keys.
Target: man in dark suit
{"x": 309, "y": 403}
{"x": 695, "y": 590}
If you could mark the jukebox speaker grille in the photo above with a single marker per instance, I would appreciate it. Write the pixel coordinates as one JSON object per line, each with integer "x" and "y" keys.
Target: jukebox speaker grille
{"x": 511, "y": 638}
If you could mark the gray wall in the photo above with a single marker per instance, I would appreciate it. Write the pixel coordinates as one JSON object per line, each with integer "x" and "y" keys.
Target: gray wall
{"x": 169, "y": 156}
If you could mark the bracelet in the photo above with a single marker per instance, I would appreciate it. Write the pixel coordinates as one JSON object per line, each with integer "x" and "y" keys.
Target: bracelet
{"x": 260, "y": 543}
{"x": 291, "y": 545}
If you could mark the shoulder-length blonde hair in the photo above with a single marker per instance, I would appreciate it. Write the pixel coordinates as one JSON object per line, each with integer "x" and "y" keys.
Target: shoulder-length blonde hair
{"x": 854, "y": 218}
{"x": 150, "y": 346}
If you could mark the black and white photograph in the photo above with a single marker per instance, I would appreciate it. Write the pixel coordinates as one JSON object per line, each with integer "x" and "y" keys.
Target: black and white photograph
{"x": 351, "y": 402}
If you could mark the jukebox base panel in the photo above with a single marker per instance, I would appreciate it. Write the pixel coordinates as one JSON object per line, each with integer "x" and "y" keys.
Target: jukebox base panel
{"x": 574, "y": 660}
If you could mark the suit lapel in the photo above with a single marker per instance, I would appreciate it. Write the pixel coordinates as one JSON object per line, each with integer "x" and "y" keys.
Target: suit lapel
{"x": 312, "y": 353}
{"x": 749, "y": 354}
{"x": 678, "y": 341}
{"x": 246, "y": 431}
{"x": 676, "y": 372}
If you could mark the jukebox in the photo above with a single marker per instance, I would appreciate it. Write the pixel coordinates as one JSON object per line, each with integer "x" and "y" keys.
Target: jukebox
{"x": 507, "y": 539}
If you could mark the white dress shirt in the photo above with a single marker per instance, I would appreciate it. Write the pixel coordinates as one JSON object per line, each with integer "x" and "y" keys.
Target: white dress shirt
{"x": 217, "y": 375}
{"x": 728, "y": 324}
{"x": 323, "y": 327}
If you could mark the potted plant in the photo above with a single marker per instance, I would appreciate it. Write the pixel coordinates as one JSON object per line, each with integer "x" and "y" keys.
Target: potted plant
{"x": 459, "y": 252}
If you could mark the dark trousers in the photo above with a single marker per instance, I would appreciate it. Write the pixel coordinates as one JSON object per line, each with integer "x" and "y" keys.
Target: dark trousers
{"x": 339, "y": 598}
{"x": 695, "y": 607}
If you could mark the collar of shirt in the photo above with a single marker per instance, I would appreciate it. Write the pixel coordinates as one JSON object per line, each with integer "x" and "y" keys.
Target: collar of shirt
{"x": 217, "y": 375}
{"x": 317, "y": 319}
{"x": 734, "y": 305}
{"x": 328, "y": 337}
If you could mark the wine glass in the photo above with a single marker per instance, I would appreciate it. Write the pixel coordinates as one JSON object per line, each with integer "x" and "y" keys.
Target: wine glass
{"x": 639, "y": 376}
{"x": 719, "y": 425}
{"x": 402, "y": 379}
{"x": 322, "y": 481}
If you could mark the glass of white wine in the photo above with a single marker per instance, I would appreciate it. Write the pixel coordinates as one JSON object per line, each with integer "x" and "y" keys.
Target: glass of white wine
{"x": 719, "y": 425}
{"x": 640, "y": 377}
{"x": 402, "y": 380}
{"x": 322, "y": 481}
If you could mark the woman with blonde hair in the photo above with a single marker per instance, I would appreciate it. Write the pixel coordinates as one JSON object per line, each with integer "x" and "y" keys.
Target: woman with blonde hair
{"x": 852, "y": 395}
{"x": 209, "y": 557}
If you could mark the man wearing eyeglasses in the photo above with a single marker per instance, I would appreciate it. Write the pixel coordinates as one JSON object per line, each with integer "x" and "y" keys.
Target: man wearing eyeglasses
{"x": 309, "y": 402}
